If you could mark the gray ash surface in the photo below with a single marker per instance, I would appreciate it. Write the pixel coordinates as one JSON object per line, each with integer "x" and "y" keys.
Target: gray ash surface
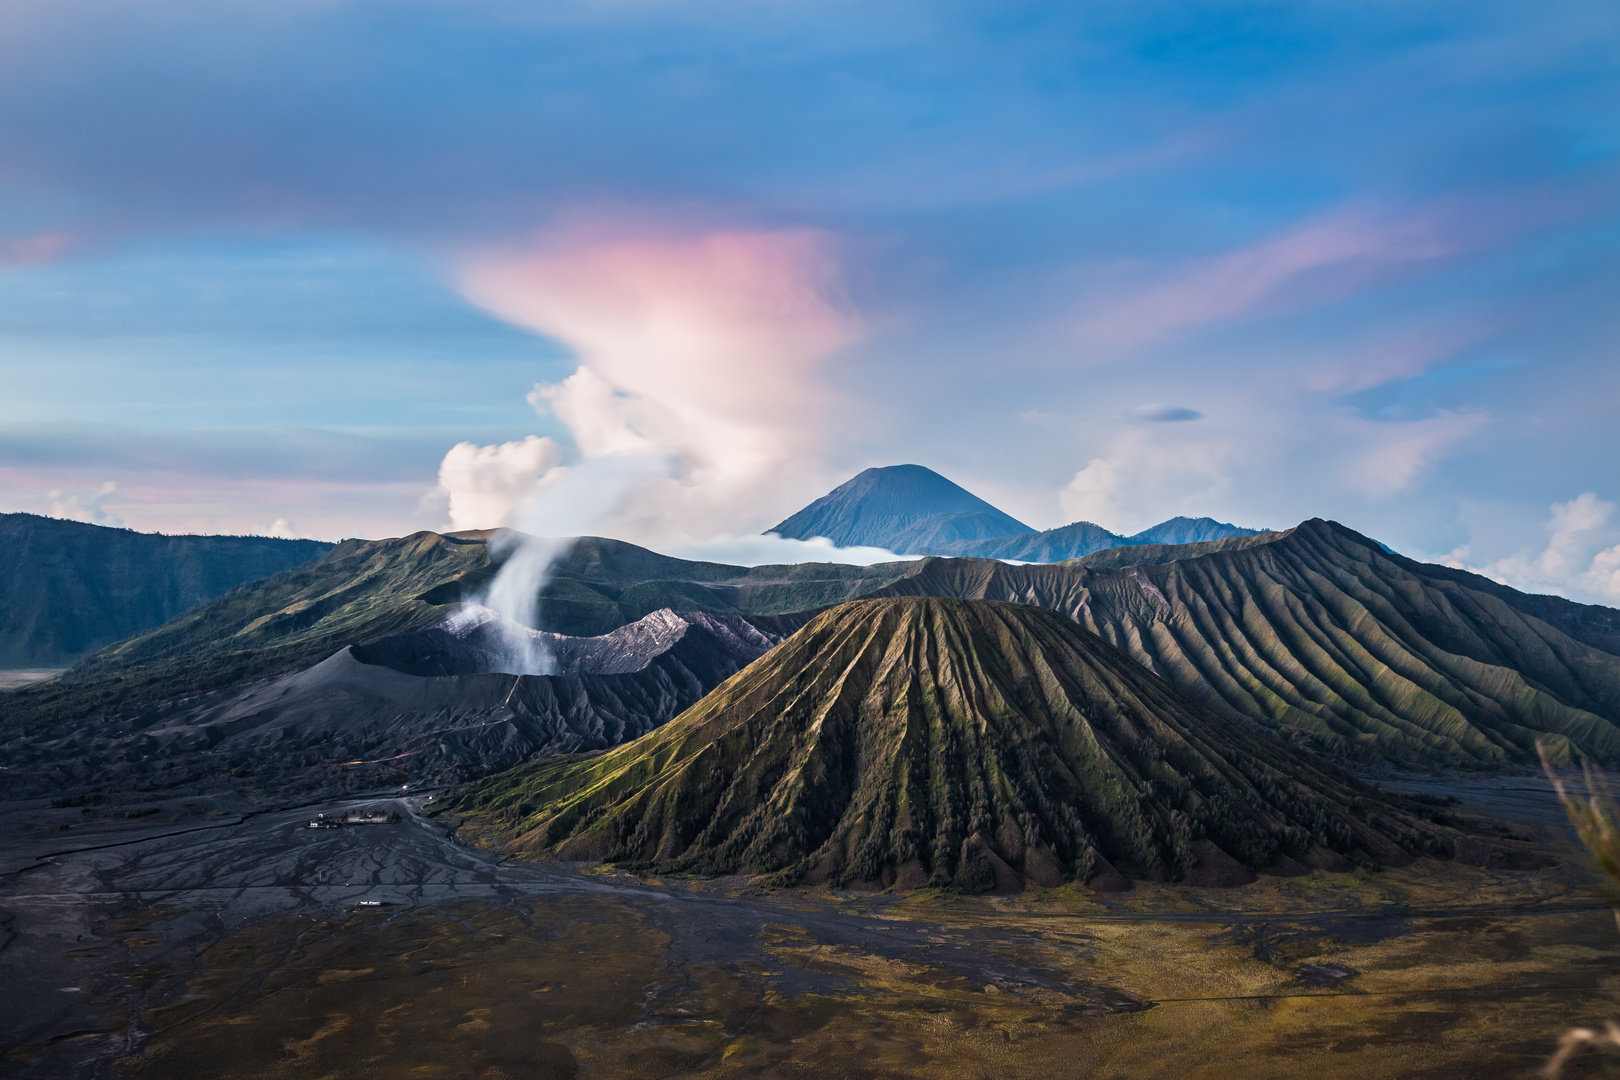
{"x": 413, "y": 709}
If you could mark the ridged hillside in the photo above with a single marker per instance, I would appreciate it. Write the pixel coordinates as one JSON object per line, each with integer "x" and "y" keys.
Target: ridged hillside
{"x": 969, "y": 744}
{"x": 68, "y": 588}
{"x": 1053, "y": 545}
{"x": 1324, "y": 635}
{"x": 1318, "y": 632}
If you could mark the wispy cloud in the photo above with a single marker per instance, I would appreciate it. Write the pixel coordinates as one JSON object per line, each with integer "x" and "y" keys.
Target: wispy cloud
{"x": 1390, "y": 457}
{"x": 34, "y": 250}
{"x": 1316, "y": 262}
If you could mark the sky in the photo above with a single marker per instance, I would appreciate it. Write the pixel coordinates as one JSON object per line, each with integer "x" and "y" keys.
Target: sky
{"x": 339, "y": 268}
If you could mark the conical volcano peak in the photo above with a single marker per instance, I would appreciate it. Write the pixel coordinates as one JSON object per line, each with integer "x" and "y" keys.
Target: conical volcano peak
{"x": 900, "y": 507}
{"x": 916, "y": 741}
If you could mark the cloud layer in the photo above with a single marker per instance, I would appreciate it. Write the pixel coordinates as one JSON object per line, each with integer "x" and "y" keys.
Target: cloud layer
{"x": 698, "y": 349}
{"x": 1581, "y": 559}
{"x": 482, "y": 486}
{"x": 1374, "y": 247}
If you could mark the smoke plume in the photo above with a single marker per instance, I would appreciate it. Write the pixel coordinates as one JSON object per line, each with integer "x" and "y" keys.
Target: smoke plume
{"x": 696, "y": 397}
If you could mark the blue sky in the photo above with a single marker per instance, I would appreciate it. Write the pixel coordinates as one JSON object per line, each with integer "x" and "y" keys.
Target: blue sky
{"x": 262, "y": 267}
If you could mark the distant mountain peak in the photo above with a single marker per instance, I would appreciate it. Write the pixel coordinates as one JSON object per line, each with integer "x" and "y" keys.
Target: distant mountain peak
{"x": 904, "y": 508}
{"x": 1186, "y": 530}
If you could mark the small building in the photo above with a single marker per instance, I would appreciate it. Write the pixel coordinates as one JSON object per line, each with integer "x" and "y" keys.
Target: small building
{"x": 373, "y": 817}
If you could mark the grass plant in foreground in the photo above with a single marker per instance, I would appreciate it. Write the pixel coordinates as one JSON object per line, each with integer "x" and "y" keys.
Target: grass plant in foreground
{"x": 1596, "y": 818}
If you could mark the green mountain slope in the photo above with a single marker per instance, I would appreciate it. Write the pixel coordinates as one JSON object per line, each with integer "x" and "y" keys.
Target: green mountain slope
{"x": 923, "y": 741}
{"x": 68, "y": 588}
{"x": 1323, "y": 635}
{"x": 362, "y": 590}
{"x": 1318, "y": 633}
{"x": 600, "y": 584}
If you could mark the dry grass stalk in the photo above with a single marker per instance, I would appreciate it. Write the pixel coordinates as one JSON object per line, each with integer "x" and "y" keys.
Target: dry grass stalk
{"x": 1596, "y": 817}
{"x": 1576, "y": 1039}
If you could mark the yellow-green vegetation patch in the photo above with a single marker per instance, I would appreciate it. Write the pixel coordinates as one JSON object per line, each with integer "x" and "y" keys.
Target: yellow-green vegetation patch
{"x": 141, "y": 920}
{"x": 1288, "y": 982}
{"x": 474, "y": 991}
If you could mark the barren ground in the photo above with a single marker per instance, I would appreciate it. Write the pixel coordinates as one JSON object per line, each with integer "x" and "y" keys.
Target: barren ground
{"x": 210, "y": 940}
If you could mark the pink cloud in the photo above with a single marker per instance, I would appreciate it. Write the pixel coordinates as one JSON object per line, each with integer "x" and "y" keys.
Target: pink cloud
{"x": 1324, "y": 260}
{"x": 745, "y": 313}
{"x": 1318, "y": 262}
{"x": 34, "y": 250}
{"x": 173, "y": 501}
{"x": 702, "y": 347}
{"x": 1405, "y": 354}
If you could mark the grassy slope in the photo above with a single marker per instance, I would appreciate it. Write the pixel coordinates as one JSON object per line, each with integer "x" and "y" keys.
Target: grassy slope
{"x": 1321, "y": 633}
{"x": 362, "y": 590}
{"x": 1317, "y": 632}
{"x": 358, "y": 591}
{"x": 601, "y": 584}
{"x": 68, "y": 588}
{"x": 944, "y": 742}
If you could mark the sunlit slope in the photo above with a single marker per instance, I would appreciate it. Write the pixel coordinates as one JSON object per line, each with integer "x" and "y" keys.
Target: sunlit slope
{"x": 925, "y": 741}
{"x": 600, "y": 584}
{"x": 68, "y": 588}
{"x": 360, "y": 590}
{"x": 1321, "y": 633}
{"x": 1317, "y": 632}
{"x": 363, "y": 590}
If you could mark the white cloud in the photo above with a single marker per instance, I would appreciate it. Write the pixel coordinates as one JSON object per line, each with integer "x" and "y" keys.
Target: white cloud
{"x": 90, "y": 508}
{"x": 280, "y": 528}
{"x": 481, "y": 487}
{"x": 1389, "y": 457}
{"x": 702, "y": 349}
{"x": 1259, "y": 462}
{"x": 1143, "y": 473}
{"x": 771, "y": 549}
{"x": 1581, "y": 559}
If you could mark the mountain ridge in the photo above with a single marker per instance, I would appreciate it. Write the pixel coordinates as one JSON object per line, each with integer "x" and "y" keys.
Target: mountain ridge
{"x": 920, "y": 741}
{"x": 1083, "y": 538}
{"x": 912, "y": 510}
{"x": 1315, "y": 633}
{"x": 400, "y": 707}
{"x": 1321, "y": 635}
{"x": 70, "y": 588}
